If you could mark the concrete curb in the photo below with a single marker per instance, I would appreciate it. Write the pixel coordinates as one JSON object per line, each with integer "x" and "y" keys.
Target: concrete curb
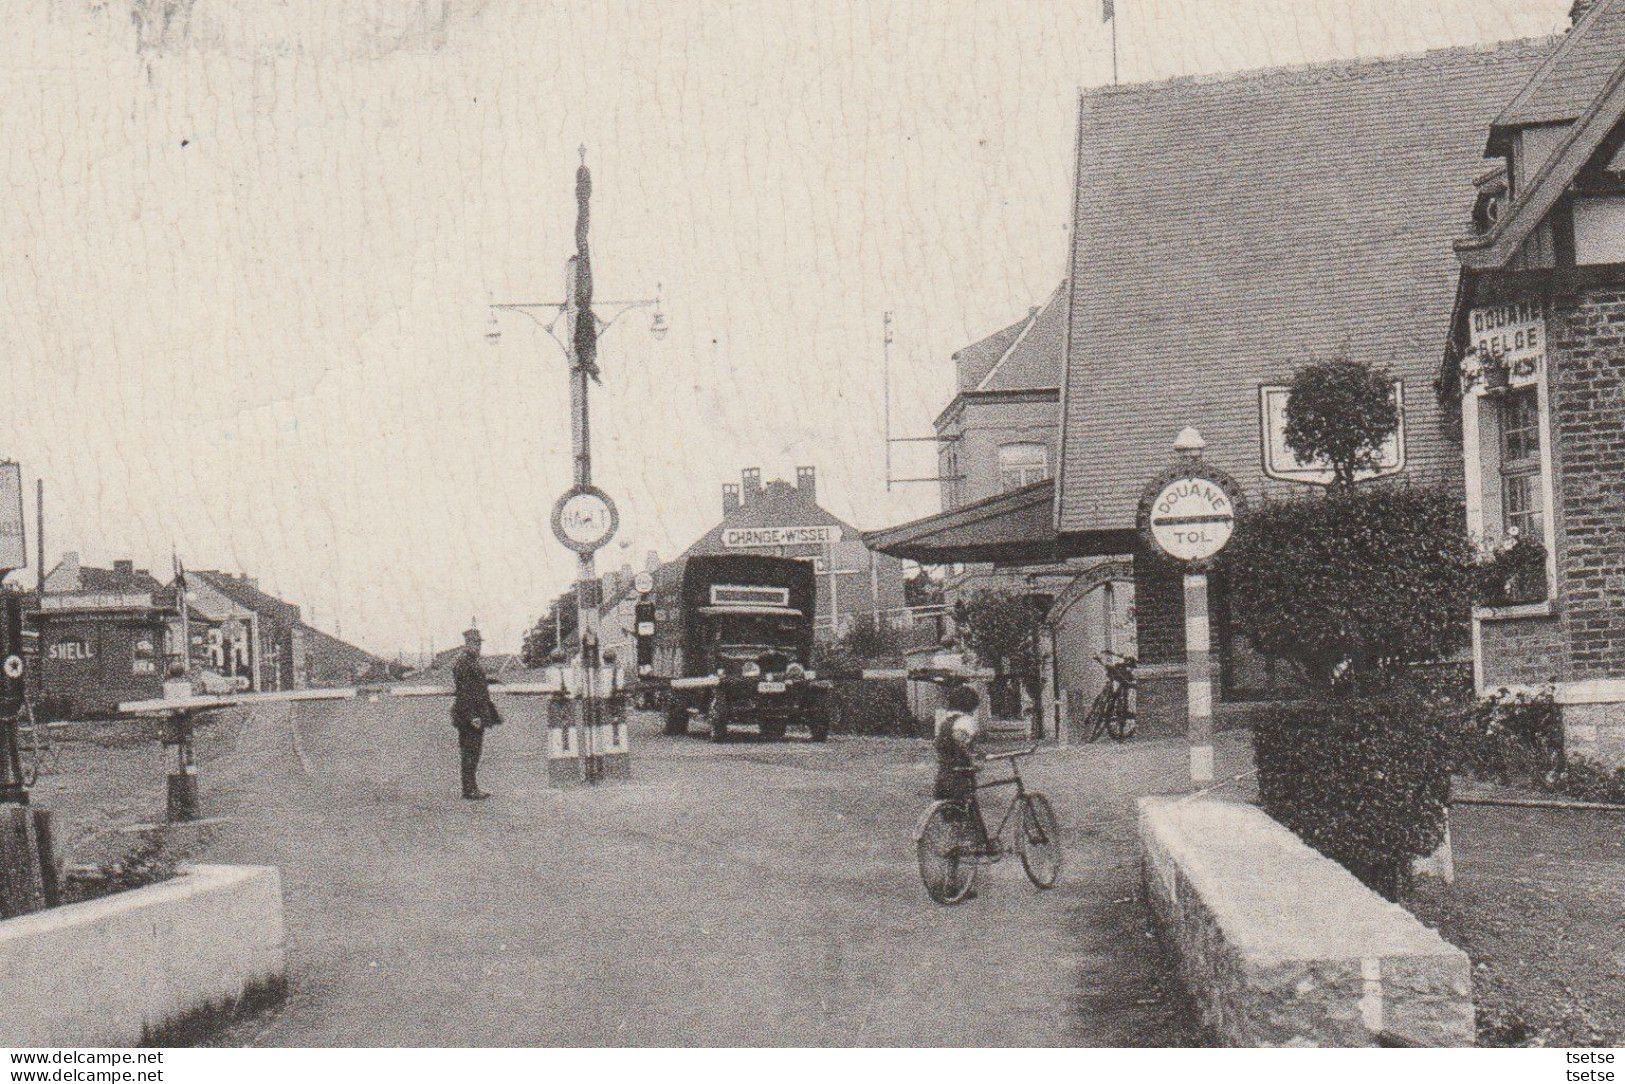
{"x": 111, "y": 971}
{"x": 1280, "y": 946}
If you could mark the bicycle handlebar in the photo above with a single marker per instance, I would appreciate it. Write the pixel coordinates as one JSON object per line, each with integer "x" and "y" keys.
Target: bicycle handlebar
{"x": 1013, "y": 754}
{"x": 1105, "y": 659}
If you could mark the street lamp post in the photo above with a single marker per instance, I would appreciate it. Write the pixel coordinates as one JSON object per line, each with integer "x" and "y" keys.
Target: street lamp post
{"x": 584, "y": 518}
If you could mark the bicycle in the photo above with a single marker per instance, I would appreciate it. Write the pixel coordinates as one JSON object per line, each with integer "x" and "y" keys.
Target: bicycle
{"x": 953, "y": 843}
{"x": 1113, "y": 711}
{"x": 39, "y": 753}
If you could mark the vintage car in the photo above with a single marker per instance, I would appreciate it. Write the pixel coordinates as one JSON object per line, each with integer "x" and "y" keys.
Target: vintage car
{"x": 733, "y": 646}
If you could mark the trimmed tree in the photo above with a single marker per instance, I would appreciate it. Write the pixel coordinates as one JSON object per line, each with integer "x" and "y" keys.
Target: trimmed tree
{"x": 1002, "y": 627}
{"x": 1352, "y": 588}
{"x": 1340, "y": 412}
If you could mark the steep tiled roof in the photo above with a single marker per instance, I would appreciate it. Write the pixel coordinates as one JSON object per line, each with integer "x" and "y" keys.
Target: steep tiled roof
{"x": 107, "y": 581}
{"x": 1228, "y": 229}
{"x": 1034, "y": 359}
{"x": 245, "y": 594}
{"x": 778, "y": 504}
{"x": 975, "y": 360}
{"x": 1574, "y": 73}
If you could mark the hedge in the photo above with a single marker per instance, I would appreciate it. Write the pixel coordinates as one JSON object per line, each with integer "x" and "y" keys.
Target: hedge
{"x": 1365, "y": 780}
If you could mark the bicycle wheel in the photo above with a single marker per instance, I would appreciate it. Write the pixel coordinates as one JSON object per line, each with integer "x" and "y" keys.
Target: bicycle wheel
{"x": 1120, "y": 721}
{"x": 1040, "y": 841}
{"x": 943, "y": 842}
{"x": 1094, "y": 724}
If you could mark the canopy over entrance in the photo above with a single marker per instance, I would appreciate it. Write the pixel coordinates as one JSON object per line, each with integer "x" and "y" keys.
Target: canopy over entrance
{"x": 1014, "y": 528}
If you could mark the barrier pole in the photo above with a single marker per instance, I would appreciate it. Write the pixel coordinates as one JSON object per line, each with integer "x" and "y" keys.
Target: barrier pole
{"x": 1198, "y": 678}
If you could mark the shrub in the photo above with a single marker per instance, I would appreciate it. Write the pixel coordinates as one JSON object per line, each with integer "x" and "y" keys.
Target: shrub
{"x": 1339, "y": 412}
{"x": 1352, "y": 582}
{"x": 1517, "y": 739}
{"x": 1363, "y": 780}
{"x": 877, "y": 708}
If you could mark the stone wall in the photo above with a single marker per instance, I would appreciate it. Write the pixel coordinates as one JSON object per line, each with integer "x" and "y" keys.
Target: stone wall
{"x": 1278, "y": 945}
{"x": 112, "y": 970}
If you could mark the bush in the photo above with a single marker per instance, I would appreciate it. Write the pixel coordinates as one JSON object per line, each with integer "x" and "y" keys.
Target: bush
{"x": 1363, "y": 780}
{"x": 1353, "y": 582}
{"x": 1517, "y": 739}
{"x": 878, "y": 708}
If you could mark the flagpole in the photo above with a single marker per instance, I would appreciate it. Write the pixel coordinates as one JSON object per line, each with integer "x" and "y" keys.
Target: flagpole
{"x": 1108, "y": 11}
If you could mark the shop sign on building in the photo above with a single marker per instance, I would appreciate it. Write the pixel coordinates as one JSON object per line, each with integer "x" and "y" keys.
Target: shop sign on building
{"x": 71, "y": 651}
{"x": 13, "y": 544}
{"x": 1514, "y": 334}
{"x": 753, "y": 537}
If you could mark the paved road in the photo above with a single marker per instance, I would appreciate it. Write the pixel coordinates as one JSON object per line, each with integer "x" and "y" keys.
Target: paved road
{"x": 747, "y": 894}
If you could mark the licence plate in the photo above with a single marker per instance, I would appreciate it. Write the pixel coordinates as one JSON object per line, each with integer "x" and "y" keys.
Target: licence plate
{"x": 770, "y": 686}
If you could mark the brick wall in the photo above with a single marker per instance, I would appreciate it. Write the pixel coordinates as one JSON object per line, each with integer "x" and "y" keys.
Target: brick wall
{"x": 1159, "y": 609}
{"x": 1586, "y": 339}
{"x": 1527, "y": 651}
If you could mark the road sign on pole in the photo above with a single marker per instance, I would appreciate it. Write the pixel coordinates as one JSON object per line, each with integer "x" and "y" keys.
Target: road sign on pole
{"x": 1187, "y": 514}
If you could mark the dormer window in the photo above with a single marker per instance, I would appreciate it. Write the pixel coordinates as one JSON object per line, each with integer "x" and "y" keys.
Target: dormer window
{"x": 1492, "y": 196}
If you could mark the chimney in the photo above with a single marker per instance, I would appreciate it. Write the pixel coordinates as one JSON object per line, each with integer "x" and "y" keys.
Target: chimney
{"x": 1578, "y": 10}
{"x": 751, "y": 485}
{"x": 730, "y": 497}
{"x": 65, "y": 577}
{"x": 124, "y": 568}
{"x": 807, "y": 483}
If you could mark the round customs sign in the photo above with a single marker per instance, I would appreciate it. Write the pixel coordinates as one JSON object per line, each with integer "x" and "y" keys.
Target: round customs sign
{"x": 1190, "y": 514}
{"x": 14, "y": 666}
{"x": 643, "y": 583}
{"x": 584, "y": 519}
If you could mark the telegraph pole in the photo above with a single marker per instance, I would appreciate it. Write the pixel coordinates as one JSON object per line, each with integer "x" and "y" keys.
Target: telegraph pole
{"x": 584, "y": 517}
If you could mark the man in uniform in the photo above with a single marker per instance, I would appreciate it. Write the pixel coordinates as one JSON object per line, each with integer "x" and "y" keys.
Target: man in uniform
{"x": 471, "y": 711}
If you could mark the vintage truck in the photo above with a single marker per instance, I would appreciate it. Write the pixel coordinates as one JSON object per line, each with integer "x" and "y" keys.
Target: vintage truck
{"x": 733, "y": 642}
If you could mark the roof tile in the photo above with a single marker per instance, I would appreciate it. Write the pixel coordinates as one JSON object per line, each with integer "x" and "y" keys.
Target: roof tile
{"x": 1230, "y": 228}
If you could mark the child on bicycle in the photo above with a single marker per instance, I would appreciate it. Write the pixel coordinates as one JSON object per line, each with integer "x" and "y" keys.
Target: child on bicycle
{"x": 956, "y": 752}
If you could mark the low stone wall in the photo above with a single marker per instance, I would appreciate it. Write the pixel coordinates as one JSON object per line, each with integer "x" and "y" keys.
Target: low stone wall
{"x": 108, "y": 971}
{"x": 1280, "y": 946}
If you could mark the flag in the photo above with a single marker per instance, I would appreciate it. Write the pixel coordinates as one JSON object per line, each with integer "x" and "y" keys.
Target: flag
{"x": 585, "y": 333}
{"x": 1108, "y": 9}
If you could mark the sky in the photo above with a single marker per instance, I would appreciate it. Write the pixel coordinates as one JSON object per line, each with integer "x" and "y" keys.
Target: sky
{"x": 249, "y": 248}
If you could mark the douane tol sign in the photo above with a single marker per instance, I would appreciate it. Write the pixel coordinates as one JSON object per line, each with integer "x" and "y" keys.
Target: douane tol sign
{"x": 1192, "y": 518}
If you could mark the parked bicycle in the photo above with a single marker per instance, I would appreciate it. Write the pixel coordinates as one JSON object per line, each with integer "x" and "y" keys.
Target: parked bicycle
{"x": 1113, "y": 710}
{"x": 37, "y": 751}
{"x": 953, "y": 842}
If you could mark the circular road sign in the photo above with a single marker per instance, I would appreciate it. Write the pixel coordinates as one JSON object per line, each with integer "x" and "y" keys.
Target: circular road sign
{"x": 584, "y": 519}
{"x": 14, "y": 666}
{"x": 1191, "y": 517}
{"x": 643, "y": 583}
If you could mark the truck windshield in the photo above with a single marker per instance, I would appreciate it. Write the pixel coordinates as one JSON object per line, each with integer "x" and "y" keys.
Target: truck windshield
{"x": 742, "y": 638}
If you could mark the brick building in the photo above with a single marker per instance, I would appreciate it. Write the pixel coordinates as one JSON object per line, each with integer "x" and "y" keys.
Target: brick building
{"x": 267, "y": 626}
{"x": 1536, "y": 363}
{"x": 786, "y": 520}
{"x": 1226, "y": 230}
{"x": 102, "y": 637}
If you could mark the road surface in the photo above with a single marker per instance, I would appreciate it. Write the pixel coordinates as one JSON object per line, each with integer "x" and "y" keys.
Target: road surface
{"x": 745, "y": 894}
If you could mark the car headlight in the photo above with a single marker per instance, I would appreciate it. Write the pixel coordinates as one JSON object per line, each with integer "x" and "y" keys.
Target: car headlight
{"x": 750, "y": 670}
{"x": 795, "y": 671}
